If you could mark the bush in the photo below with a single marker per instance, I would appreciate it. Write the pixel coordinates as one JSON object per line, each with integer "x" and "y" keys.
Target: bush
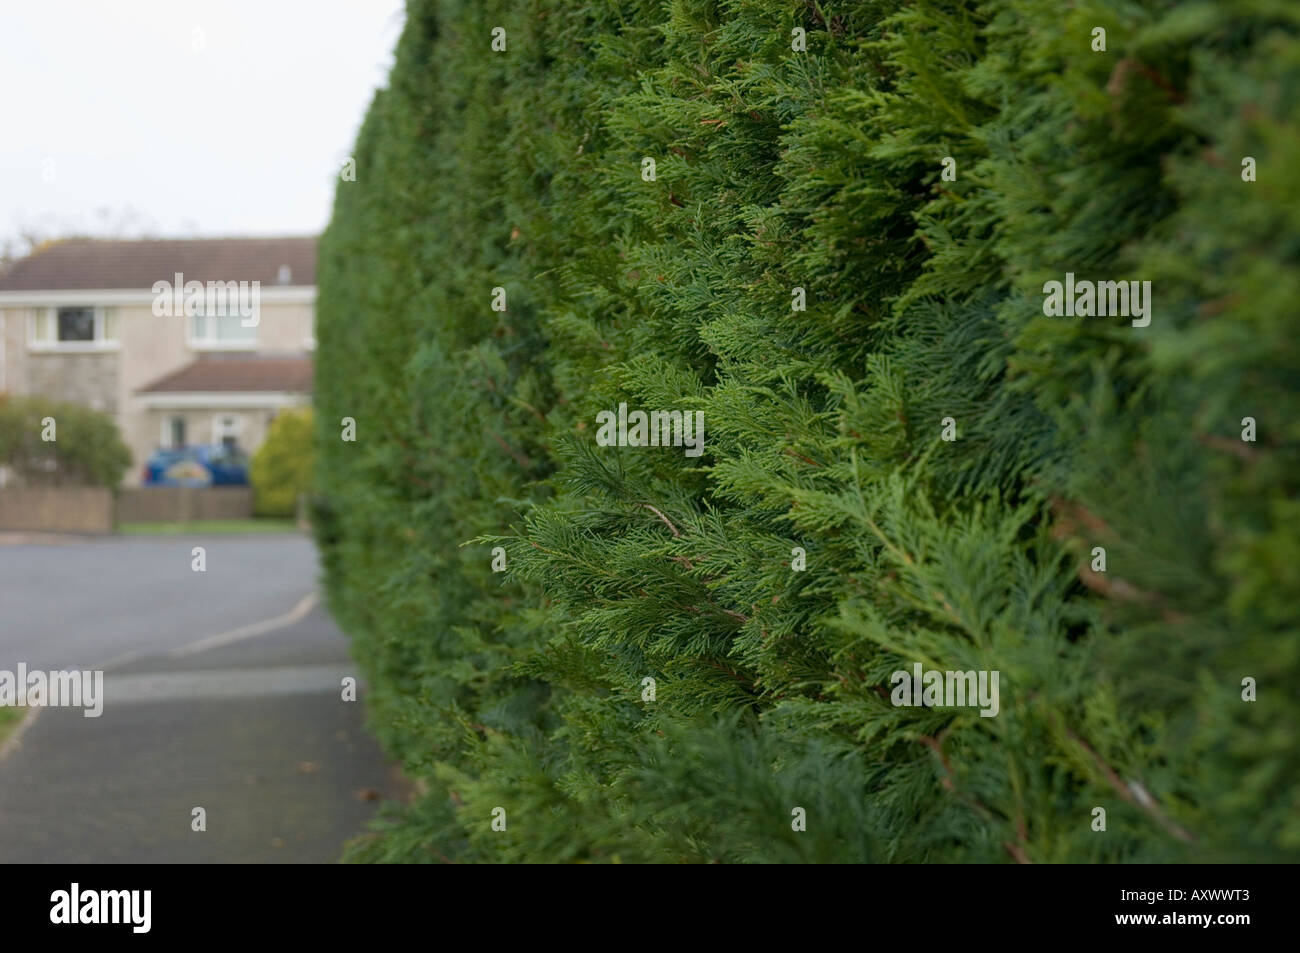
{"x": 281, "y": 469}
{"x": 827, "y": 430}
{"x": 87, "y": 449}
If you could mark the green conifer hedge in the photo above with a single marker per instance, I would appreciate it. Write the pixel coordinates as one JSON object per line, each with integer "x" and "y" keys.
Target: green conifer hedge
{"x": 953, "y": 462}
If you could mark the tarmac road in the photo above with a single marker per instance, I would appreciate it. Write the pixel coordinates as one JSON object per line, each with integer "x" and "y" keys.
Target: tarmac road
{"x": 221, "y": 691}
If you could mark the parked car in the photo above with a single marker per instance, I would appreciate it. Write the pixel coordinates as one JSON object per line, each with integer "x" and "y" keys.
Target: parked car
{"x": 201, "y": 465}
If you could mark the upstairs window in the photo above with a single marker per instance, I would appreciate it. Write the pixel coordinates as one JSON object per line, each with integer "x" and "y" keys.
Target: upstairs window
{"x": 223, "y": 328}
{"x": 73, "y": 328}
{"x": 76, "y": 324}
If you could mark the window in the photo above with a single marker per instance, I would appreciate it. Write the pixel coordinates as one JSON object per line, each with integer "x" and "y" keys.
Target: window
{"x": 173, "y": 433}
{"x": 82, "y": 327}
{"x": 221, "y": 329}
{"x": 225, "y": 429}
{"x": 76, "y": 324}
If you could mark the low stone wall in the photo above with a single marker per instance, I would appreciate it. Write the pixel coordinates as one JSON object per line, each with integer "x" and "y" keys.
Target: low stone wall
{"x": 180, "y": 504}
{"x": 57, "y": 509}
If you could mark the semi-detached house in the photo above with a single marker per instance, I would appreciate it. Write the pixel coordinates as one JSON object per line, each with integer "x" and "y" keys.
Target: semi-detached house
{"x": 78, "y": 323}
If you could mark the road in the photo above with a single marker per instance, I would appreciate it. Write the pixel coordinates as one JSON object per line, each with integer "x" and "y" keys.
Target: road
{"x": 222, "y": 692}
{"x": 84, "y": 603}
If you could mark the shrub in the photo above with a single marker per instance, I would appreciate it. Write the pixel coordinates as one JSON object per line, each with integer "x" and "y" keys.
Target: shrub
{"x": 827, "y": 428}
{"x": 281, "y": 469}
{"x": 87, "y": 449}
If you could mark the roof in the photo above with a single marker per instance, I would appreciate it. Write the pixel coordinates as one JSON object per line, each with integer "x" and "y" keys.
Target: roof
{"x": 222, "y": 373}
{"x": 85, "y": 264}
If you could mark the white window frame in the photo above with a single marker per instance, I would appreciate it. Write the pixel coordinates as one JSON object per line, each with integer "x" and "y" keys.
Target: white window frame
{"x": 165, "y": 434}
{"x": 212, "y": 343}
{"x": 98, "y": 343}
{"x": 219, "y": 432}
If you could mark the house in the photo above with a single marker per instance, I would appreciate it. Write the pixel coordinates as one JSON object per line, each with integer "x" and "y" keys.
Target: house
{"x": 91, "y": 321}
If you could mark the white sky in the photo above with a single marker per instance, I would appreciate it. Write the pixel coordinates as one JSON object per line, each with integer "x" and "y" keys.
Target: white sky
{"x": 149, "y": 135}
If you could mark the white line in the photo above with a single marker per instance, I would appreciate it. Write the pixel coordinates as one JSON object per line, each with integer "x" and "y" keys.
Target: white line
{"x": 117, "y": 660}
{"x": 229, "y": 683}
{"x": 305, "y": 605}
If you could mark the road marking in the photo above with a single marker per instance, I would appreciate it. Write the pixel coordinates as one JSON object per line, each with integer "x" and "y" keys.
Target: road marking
{"x": 229, "y": 683}
{"x": 296, "y": 614}
{"x": 118, "y": 660}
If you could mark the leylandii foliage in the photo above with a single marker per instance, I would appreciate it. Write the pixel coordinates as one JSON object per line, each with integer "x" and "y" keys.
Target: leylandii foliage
{"x": 916, "y": 456}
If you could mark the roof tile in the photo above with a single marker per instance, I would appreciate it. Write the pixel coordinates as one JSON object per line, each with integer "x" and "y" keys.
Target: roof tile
{"x": 229, "y": 372}
{"x": 84, "y": 264}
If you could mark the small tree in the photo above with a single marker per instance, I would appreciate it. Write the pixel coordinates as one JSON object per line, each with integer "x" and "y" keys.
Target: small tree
{"x": 54, "y": 443}
{"x": 281, "y": 468}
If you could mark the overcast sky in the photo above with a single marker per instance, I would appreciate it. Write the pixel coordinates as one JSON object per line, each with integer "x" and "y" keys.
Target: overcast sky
{"x": 183, "y": 117}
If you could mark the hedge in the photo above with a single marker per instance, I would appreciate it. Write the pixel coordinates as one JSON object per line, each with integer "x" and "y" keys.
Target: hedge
{"x": 974, "y": 484}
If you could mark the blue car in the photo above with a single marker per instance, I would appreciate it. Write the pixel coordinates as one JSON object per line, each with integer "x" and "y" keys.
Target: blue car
{"x": 202, "y": 465}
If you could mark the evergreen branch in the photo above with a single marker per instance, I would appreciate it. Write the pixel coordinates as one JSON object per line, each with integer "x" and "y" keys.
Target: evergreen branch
{"x": 1015, "y": 849}
{"x": 1117, "y": 589}
{"x": 790, "y": 451}
{"x": 568, "y": 557}
{"x": 713, "y": 605}
{"x": 1122, "y": 591}
{"x": 519, "y": 456}
{"x": 896, "y": 551}
{"x": 667, "y": 522}
{"x": 529, "y": 407}
{"x": 1133, "y": 792}
{"x": 1118, "y": 80}
{"x": 936, "y": 745}
{"x": 1238, "y": 448}
{"x": 747, "y": 682}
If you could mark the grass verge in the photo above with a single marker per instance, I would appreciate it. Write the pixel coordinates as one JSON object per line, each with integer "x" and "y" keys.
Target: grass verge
{"x": 10, "y": 718}
{"x": 208, "y": 526}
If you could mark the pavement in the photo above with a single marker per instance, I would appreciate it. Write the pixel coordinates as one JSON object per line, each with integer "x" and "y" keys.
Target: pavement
{"x": 222, "y": 691}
